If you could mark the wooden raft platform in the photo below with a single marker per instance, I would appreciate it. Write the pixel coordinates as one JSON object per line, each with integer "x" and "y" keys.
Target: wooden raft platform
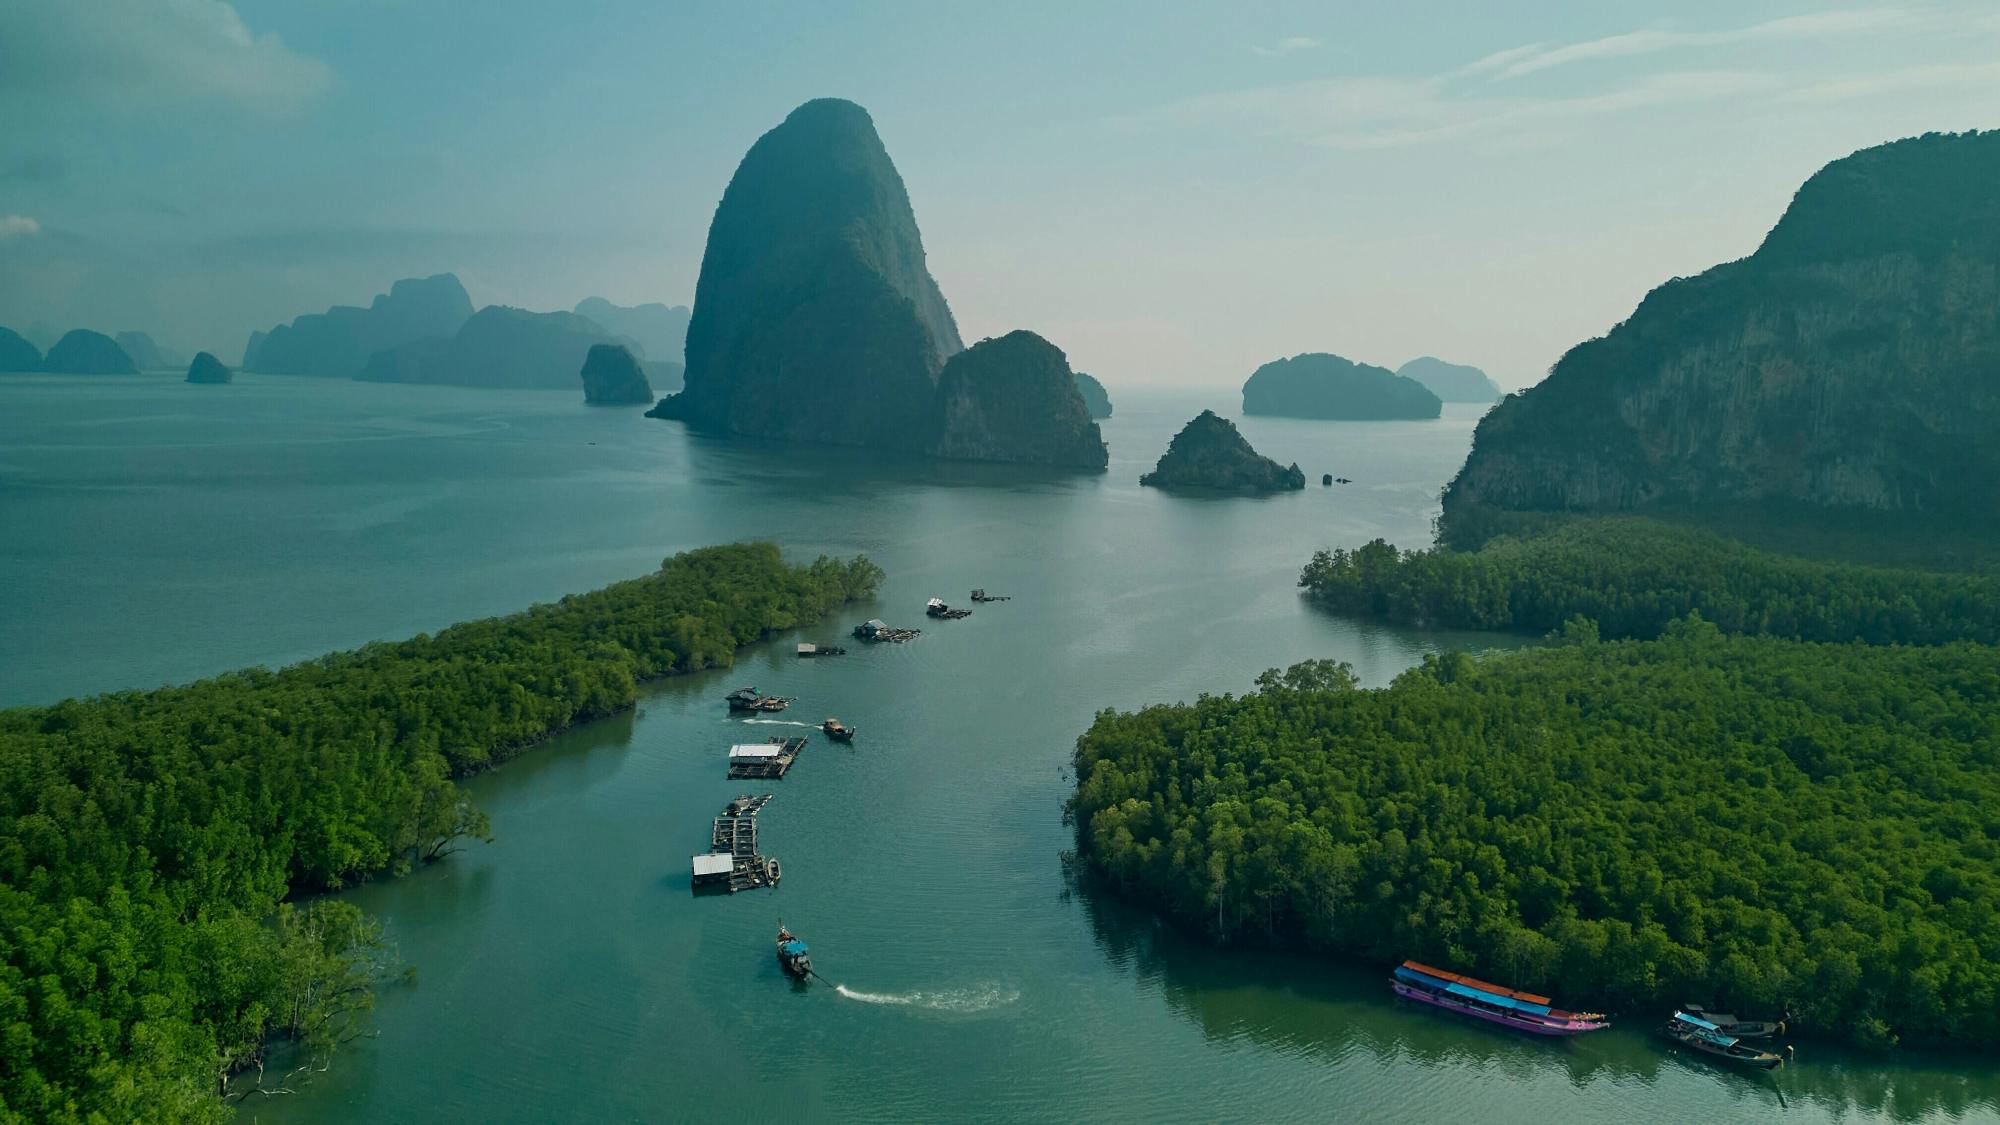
{"x": 779, "y": 754}
{"x": 733, "y": 860}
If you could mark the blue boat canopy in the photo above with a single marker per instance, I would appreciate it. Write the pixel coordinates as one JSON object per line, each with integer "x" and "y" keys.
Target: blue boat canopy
{"x": 1696, "y": 1021}
{"x": 794, "y": 948}
{"x": 1425, "y": 980}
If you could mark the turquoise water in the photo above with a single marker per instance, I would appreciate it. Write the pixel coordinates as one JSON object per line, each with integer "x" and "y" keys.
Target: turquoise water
{"x": 157, "y": 532}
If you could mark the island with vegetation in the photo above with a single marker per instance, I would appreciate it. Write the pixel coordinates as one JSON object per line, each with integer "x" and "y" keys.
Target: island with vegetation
{"x": 1014, "y": 398}
{"x": 1211, "y": 455}
{"x": 611, "y": 377}
{"x": 499, "y": 347}
{"x": 154, "y": 845}
{"x": 207, "y": 369}
{"x": 816, "y": 319}
{"x": 83, "y": 352}
{"x": 1628, "y": 823}
{"x": 1451, "y": 382}
{"x": 1848, "y": 364}
{"x": 1324, "y": 386}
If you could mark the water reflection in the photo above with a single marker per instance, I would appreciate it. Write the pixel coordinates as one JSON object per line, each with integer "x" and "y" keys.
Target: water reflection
{"x": 1306, "y": 1005}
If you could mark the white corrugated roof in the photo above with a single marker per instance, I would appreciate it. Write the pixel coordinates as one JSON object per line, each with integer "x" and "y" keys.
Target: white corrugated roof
{"x": 714, "y": 863}
{"x": 755, "y": 750}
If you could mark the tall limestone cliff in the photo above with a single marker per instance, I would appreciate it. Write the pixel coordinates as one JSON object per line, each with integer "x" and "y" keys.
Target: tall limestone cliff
{"x": 815, "y": 317}
{"x": 1853, "y": 361}
{"x": 1015, "y": 399}
{"x": 1095, "y": 398}
{"x": 339, "y": 341}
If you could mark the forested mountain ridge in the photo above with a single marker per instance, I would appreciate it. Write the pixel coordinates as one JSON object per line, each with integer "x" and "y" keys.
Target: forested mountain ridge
{"x": 1852, "y": 361}
{"x": 145, "y": 837}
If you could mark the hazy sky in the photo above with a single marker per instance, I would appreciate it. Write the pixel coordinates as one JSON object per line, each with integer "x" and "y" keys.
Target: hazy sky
{"x": 1169, "y": 195}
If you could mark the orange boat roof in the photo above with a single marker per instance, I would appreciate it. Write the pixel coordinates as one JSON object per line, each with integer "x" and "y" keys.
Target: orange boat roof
{"x": 1474, "y": 982}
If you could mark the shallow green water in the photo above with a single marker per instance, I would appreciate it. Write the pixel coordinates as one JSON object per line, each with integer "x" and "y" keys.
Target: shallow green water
{"x": 157, "y": 532}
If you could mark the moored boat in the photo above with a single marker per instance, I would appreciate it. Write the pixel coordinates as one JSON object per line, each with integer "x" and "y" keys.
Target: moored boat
{"x": 1739, "y": 1028}
{"x": 792, "y": 954}
{"x": 748, "y": 699}
{"x": 1694, "y": 1032}
{"x": 1506, "y": 1007}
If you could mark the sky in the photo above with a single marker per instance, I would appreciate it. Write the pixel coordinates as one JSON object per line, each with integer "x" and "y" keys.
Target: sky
{"x": 1172, "y": 194}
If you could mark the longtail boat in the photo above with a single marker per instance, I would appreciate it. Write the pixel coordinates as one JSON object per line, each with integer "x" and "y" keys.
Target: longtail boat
{"x": 1468, "y": 996}
{"x": 1693, "y": 1031}
{"x": 1739, "y": 1028}
{"x": 792, "y": 954}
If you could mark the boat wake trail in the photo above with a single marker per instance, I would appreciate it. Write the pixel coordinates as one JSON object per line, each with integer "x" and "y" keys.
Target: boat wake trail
{"x": 782, "y": 723}
{"x": 977, "y": 998}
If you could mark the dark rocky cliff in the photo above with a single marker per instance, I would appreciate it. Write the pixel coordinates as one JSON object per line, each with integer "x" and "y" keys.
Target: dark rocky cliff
{"x": 611, "y": 377}
{"x": 1853, "y": 361}
{"x": 815, "y": 317}
{"x": 1014, "y": 398}
{"x": 340, "y": 341}
{"x": 1211, "y": 454}
{"x": 1325, "y": 386}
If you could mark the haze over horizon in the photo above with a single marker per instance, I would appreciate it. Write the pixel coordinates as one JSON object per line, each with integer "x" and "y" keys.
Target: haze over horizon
{"x": 1171, "y": 197}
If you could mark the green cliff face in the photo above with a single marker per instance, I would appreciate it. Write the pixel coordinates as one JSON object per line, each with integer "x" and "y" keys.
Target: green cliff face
{"x": 611, "y": 377}
{"x": 1324, "y": 386}
{"x": 1852, "y": 362}
{"x": 815, "y": 317}
{"x": 1211, "y": 454}
{"x": 1014, "y": 399}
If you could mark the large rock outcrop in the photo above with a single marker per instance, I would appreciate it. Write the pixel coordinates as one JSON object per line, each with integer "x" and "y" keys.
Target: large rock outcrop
{"x": 1325, "y": 386}
{"x": 1211, "y": 454}
{"x": 499, "y": 347}
{"x": 611, "y": 377}
{"x": 661, "y": 330}
{"x": 1095, "y": 398}
{"x": 250, "y": 349}
{"x": 17, "y": 354}
{"x": 1014, "y": 398}
{"x": 83, "y": 352}
{"x": 340, "y": 341}
{"x": 1451, "y": 382}
{"x": 207, "y": 369}
{"x": 1853, "y": 361}
{"x": 815, "y": 317}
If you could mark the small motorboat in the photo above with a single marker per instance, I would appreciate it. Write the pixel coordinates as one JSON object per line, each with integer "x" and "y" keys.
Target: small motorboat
{"x": 980, "y": 595}
{"x": 837, "y": 730}
{"x": 1699, "y": 1034}
{"x": 1739, "y": 1028}
{"x": 792, "y": 954}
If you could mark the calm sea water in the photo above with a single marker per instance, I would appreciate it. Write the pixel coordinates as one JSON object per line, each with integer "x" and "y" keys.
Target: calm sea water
{"x": 154, "y": 532}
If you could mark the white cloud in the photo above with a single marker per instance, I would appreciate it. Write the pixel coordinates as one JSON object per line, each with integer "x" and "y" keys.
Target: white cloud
{"x": 1287, "y": 45}
{"x": 1477, "y": 101}
{"x": 18, "y": 226}
{"x": 137, "y": 53}
{"x": 1529, "y": 60}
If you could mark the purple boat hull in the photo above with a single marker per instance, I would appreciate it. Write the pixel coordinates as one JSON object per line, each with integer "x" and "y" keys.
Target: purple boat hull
{"x": 1516, "y": 1023}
